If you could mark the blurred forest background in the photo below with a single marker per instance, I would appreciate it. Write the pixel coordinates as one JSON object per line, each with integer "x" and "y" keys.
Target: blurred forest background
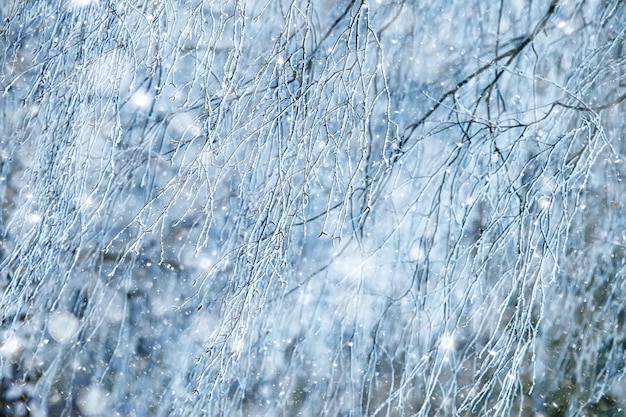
{"x": 312, "y": 208}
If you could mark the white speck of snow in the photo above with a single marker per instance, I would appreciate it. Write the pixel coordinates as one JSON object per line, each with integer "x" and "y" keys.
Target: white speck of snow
{"x": 204, "y": 262}
{"x": 115, "y": 308}
{"x": 82, "y": 3}
{"x": 566, "y": 27}
{"x": 469, "y": 201}
{"x": 62, "y": 326}
{"x": 237, "y": 345}
{"x": 447, "y": 343}
{"x": 85, "y": 203}
{"x": 11, "y": 347}
{"x": 417, "y": 253}
{"x": 185, "y": 124}
{"x": 549, "y": 186}
{"x": 142, "y": 99}
{"x": 34, "y": 218}
{"x": 93, "y": 401}
{"x": 544, "y": 202}
{"x": 162, "y": 305}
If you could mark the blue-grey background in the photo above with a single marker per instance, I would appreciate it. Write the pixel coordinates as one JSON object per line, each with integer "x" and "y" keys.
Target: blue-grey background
{"x": 312, "y": 208}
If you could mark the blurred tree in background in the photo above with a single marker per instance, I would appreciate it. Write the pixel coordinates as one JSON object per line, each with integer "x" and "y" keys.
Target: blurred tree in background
{"x": 312, "y": 208}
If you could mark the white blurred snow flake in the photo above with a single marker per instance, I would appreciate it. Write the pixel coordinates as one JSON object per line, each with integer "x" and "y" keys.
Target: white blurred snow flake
{"x": 141, "y": 99}
{"x": 93, "y": 400}
{"x": 447, "y": 343}
{"x": 237, "y": 345}
{"x": 544, "y": 202}
{"x": 115, "y": 308}
{"x": 417, "y": 253}
{"x": 82, "y": 3}
{"x": 34, "y": 218}
{"x": 62, "y": 326}
{"x": 11, "y": 348}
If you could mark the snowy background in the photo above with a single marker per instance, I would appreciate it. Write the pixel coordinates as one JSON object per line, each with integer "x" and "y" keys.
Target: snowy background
{"x": 312, "y": 208}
